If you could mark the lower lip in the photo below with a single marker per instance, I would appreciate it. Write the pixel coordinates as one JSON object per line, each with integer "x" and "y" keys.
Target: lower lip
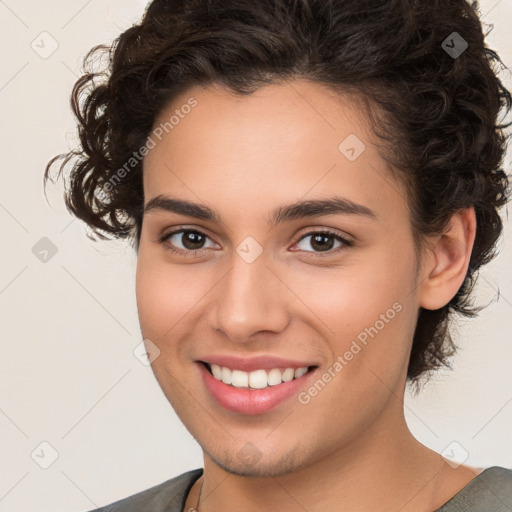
{"x": 251, "y": 401}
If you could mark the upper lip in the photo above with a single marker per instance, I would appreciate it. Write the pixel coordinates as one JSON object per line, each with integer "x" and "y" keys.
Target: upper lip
{"x": 248, "y": 364}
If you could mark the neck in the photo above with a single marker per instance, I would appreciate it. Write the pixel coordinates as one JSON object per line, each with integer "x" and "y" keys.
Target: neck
{"x": 384, "y": 469}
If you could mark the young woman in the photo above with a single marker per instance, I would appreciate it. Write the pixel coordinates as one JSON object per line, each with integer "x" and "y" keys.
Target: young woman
{"x": 310, "y": 187}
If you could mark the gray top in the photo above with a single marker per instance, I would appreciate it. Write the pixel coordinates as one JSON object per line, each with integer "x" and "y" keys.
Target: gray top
{"x": 490, "y": 491}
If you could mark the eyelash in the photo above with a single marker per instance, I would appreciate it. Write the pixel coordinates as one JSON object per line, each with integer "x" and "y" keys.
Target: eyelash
{"x": 345, "y": 242}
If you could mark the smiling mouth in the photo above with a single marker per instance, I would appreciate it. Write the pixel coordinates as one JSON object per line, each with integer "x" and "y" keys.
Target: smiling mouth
{"x": 256, "y": 379}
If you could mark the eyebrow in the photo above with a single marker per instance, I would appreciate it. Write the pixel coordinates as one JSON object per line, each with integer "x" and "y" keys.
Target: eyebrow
{"x": 284, "y": 213}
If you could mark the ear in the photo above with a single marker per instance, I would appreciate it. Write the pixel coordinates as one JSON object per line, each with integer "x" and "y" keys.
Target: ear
{"x": 446, "y": 261}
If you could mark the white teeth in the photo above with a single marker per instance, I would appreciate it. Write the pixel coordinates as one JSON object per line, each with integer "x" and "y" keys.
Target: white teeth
{"x": 299, "y": 372}
{"x": 226, "y": 375}
{"x": 216, "y": 370}
{"x": 274, "y": 377}
{"x": 257, "y": 379}
{"x": 239, "y": 379}
{"x": 288, "y": 374}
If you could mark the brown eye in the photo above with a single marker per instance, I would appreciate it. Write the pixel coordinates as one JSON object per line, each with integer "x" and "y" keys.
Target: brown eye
{"x": 192, "y": 240}
{"x": 323, "y": 241}
{"x": 185, "y": 240}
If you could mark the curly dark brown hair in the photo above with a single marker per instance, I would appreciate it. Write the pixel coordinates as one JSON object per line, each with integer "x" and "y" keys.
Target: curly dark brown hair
{"x": 433, "y": 102}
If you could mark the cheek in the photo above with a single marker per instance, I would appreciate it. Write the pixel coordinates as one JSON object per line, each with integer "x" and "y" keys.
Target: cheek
{"x": 366, "y": 311}
{"x": 165, "y": 293}
{"x": 350, "y": 298}
{"x": 155, "y": 297}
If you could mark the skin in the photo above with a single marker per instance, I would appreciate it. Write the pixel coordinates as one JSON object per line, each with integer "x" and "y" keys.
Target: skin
{"x": 349, "y": 448}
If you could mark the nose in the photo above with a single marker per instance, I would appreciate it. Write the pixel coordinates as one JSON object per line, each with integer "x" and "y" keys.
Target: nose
{"x": 250, "y": 299}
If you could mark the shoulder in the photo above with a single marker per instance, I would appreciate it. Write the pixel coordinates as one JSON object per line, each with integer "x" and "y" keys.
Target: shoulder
{"x": 490, "y": 491}
{"x": 169, "y": 496}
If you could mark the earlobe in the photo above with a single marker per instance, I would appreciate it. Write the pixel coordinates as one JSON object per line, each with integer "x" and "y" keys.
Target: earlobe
{"x": 448, "y": 261}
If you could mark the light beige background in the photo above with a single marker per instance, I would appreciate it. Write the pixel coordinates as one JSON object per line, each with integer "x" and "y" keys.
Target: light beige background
{"x": 68, "y": 375}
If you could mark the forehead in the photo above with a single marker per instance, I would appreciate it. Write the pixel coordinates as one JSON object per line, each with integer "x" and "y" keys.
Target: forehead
{"x": 283, "y": 142}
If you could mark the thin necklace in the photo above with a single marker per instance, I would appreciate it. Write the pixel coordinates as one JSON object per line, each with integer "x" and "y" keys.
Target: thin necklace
{"x": 196, "y": 508}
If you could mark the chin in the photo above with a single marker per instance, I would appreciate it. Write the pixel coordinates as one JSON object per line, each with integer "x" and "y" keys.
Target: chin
{"x": 247, "y": 462}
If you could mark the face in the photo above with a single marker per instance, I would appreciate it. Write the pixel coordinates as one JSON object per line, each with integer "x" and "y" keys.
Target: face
{"x": 244, "y": 282}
